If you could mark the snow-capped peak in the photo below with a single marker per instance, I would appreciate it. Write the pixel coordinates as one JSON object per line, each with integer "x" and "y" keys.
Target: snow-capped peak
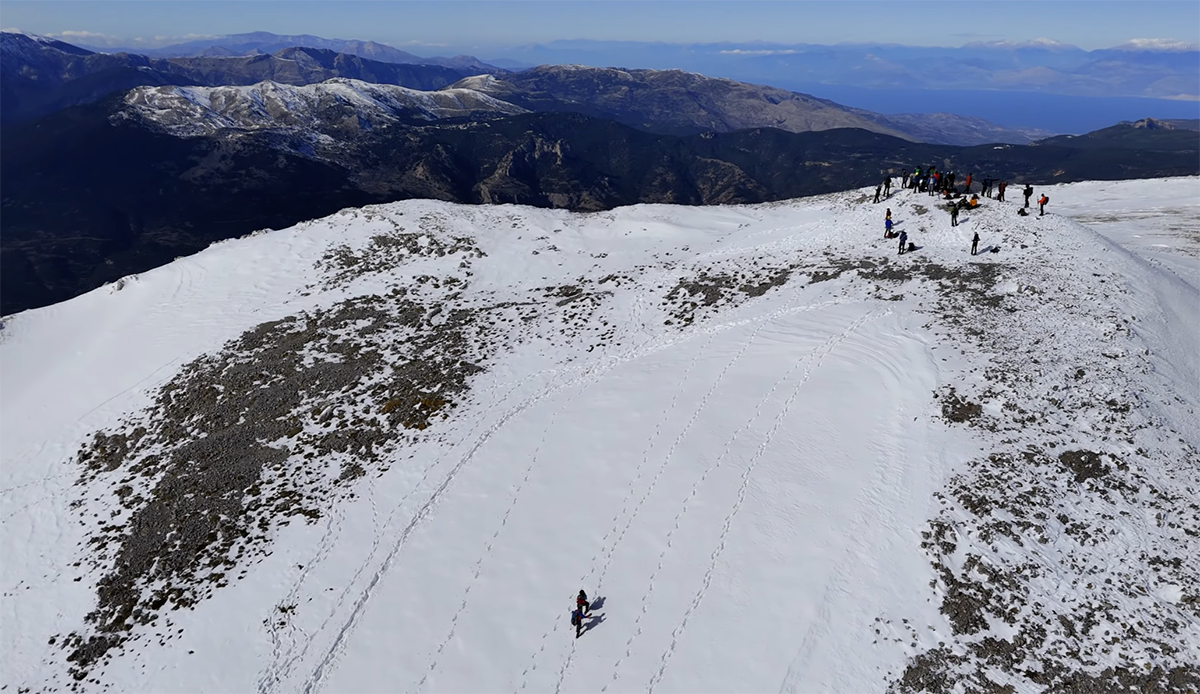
{"x": 316, "y": 108}
{"x": 1157, "y": 45}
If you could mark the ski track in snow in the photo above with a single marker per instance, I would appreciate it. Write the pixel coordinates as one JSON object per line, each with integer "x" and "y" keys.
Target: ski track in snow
{"x": 275, "y": 673}
{"x": 607, "y": 550}
{"x": 873, "y": 510}
{"x": 314, "y": 681}
{"x": 700, "y": 406}
{"x": 811, "y": 363}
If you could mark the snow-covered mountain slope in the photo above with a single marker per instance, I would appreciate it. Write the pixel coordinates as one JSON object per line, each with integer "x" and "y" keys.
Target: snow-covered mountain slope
{"x": 334, "y": 104}
{"x": 1158, "y": 220}
{"x": 383, "y": 450}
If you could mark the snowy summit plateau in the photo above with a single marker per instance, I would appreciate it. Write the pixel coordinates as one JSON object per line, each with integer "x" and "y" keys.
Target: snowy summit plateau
{"x": 383, "y": 450}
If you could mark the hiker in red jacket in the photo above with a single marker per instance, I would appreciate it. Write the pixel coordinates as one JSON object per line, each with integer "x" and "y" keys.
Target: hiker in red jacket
{"x": 1042, "y": 204}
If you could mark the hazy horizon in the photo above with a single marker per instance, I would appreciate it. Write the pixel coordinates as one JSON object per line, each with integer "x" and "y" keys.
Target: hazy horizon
{"x": 482, "y": 27}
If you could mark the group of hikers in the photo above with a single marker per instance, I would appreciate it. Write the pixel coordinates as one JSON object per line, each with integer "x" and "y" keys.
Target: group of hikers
{"x": 934, "y": 182}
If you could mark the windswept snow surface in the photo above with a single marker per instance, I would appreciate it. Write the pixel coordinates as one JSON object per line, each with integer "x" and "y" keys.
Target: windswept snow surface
{"x": 1157, "y": 219}
{"x": 777, "y": 455}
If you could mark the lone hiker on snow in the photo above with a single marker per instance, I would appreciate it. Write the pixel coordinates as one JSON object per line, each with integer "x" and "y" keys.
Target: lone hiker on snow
{"x": 1000, "y": 191}
{"x": 581, "y": 602}
{"x": 903, "y": 241}
{"x": 1042, "y": 204}
{"x": 1028, "y": 193}
{"x": 877, "y": 189}
{"x": 975, "y": 243}
{"x": 954, "y": 215}
{"x": 577, "y": 621}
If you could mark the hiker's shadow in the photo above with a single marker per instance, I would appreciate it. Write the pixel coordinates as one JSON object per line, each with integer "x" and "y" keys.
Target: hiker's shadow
{"x": 594, "y": 621}
{"x": 597, "y": 604}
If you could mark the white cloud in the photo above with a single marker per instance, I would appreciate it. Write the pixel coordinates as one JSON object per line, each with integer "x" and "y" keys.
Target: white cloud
{"x": 743, "y": 51}
{"x": 1156, "y": 45}
{"x": 69, "y": 34}
{"x": 99, "y": 40}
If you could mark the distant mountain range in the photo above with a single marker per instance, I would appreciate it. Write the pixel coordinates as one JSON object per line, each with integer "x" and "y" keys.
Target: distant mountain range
{"x": 39, "y": 76}
{"x": 261, "y": 42}
{"x": 1161, "y": 70}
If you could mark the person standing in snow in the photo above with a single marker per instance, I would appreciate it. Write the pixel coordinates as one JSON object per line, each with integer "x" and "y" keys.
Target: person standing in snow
{"x": 577, "y": 621}
{"x": 954, "y": 215}
{"x": 581, "y": 602}
{"x": 1042, "y": 204}
{"x": 1028, "y": 194}
{"x": 975, "y": 243}
{"x": 887, "y": 228}
{"x": 877, "y": 189}
{"x": 1000, "y": 191}
{"x": 904, "y": 179}
{"x": 903, "y": 241}
{"x": 967, "y": 183}
{"x": 887, "y": 186}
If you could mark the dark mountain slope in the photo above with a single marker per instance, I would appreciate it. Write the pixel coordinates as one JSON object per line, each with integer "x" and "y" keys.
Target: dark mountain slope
{"x": 87, "y": 199}
{"x": 1147, "y": 135}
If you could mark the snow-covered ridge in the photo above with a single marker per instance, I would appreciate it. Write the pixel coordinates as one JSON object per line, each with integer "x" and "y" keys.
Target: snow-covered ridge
{"x": 382, "y": 450}
{"x": 1162, "y": 45}
{"x": 333, "y": 104}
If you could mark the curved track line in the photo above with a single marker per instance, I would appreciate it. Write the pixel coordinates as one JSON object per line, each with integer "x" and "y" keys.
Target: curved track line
{"x": 478, "y": 567}
{"x": 814, "y": 360}
{"x": 678, "y": 522}
{"x": 700, "y": 330}
{"x": 784, "y": 311}
{"x": 650, "y": 347}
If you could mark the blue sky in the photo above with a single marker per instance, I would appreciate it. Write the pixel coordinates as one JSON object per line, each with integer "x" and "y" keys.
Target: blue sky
{"x": 486, "y": 26}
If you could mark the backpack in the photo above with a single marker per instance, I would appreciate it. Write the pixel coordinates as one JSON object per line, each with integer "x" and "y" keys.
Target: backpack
{"x": 575, "y": 618}
{"x": 1045, "y": 199}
